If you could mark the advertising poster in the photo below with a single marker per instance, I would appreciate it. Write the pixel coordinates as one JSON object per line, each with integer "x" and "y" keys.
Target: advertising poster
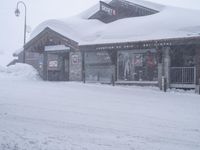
{"x": 53, "y": 62}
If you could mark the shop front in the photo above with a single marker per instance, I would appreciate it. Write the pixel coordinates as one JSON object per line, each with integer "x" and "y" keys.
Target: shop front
{"x": 57, "y": 61}
{"x": 137, "y": 66}
{"x": 98, "y": 67}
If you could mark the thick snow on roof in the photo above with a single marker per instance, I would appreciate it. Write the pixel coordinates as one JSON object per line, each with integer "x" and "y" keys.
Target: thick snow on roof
{"x": 18, "y": 51}
{"x": 147, "y": 4}
{"x": 89, "y": 12}
{"x": 170, "y": 22}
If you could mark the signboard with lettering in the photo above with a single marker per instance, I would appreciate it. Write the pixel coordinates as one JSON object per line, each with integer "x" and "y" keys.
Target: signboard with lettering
{"x": 75, "y": 59}
{"x": 107, "y": 9}
{"x": 53, "y": 62}
{"x": 75, "y": 71}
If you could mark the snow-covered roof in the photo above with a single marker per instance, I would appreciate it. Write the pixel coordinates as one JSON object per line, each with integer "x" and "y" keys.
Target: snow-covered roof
{"x": 18, "y": 51}
{"x": 147, "y": 4}
{"x": 170, "y": 22}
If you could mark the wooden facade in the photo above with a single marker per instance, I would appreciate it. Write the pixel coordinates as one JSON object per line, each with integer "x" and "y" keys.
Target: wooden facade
{"x": 166, "y": 50}
{"x": 177, "y": 60}
{"x": 37, "y": 56}
{"x": 104, "y": 63}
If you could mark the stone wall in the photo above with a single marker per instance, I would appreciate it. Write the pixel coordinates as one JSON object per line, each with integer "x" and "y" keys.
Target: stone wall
{"x": 75, "y": 66}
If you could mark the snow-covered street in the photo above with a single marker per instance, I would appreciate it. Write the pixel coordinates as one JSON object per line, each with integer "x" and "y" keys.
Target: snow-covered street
{"x": 39, "y": 115}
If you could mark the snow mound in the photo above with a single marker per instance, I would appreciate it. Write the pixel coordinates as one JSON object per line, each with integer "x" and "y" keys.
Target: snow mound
{"x": 19, "y": 72}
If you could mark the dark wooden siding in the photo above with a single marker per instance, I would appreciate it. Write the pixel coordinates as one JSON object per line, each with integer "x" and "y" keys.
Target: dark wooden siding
{"x": 198, "y": 64}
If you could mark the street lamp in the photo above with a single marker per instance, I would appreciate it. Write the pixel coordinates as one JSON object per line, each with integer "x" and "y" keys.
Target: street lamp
{"x": 17, "y": 13}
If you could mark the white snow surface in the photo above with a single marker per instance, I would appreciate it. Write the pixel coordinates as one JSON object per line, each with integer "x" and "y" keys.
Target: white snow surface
{"x": 38, "y": 115}
{"x": 170, "y": 22}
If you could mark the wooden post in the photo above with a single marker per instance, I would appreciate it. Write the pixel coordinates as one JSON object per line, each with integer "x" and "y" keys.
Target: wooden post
{"x": 45, "y": 66}
{"x": 83, "y": 67}
{"x": 197, "y": 62}
{"x": 160, "y": 75}
{"x": 113, "y": 80}
{"x": 113, "y": 76}
{"x": 167, "y": 61}
{"x": 164, "y": 84}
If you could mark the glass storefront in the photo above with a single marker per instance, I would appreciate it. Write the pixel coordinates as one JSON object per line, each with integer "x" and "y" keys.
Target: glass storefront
{"x": 137, "y": 65}
{"x": 98, "y": 67}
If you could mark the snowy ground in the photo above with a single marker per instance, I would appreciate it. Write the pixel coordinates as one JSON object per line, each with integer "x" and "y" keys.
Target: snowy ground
{"x": 38, "y": 115}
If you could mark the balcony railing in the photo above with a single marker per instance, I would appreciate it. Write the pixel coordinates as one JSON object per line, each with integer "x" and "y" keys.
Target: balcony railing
{"x": 183, "y": 75}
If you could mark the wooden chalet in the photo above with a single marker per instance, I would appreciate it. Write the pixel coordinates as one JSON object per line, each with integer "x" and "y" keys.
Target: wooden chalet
{"x": 147, "y": 61}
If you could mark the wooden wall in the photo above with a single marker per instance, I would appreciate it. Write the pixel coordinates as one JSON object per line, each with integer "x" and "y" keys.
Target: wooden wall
{"x": 198, "y": 64}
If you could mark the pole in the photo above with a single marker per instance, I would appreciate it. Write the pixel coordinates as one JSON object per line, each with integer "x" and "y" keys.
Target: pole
{"x": 21, "y": 2}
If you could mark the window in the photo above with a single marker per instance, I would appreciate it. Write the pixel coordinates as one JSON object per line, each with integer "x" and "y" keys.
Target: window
{"x": 137, "y": 66}
{"x": 98, "y": 67}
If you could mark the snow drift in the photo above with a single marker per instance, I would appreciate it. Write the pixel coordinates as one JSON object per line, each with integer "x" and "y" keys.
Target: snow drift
{"x": 19, "y": 72}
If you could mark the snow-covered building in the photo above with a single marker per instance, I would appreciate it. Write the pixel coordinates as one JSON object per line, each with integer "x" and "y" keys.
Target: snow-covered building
{"x": 129, "y": 41}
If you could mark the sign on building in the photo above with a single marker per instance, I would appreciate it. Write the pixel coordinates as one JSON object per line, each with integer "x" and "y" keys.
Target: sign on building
{"x": 75, "y": 71}
{"x": 107, "y": 9}
{"x": 75, "y": 59}
{"x": 53, "y": 62}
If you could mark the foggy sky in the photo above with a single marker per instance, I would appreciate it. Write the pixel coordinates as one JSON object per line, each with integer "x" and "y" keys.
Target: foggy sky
{"x": 11, "y": 27}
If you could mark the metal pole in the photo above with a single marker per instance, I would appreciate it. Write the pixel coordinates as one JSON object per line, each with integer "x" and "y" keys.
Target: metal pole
{"x": 21, "y": 2}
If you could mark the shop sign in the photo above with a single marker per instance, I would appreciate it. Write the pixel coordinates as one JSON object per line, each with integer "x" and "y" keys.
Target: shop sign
{"x": 107, "y": 9}
{"x": 53, "y": 64}
{"x": 75, "y": 59}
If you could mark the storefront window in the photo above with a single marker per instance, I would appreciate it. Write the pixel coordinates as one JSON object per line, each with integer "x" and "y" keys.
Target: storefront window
{"x": 98, "y": 67}
{"x": 92, "y": 58}
{"x": 136, "y": 66}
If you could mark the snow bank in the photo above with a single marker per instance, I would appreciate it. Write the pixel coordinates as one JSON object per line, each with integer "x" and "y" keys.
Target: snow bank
{"x": 19, "y": 72}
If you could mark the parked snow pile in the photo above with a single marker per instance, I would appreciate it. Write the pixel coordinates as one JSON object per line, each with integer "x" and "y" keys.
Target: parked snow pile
{"x": 19, "y": 72}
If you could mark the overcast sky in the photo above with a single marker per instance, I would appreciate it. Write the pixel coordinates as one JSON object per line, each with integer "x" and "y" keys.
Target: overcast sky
{"x": 11, "y": 27}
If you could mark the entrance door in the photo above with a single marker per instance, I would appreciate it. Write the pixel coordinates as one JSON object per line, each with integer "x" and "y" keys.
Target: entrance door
{"x": 53, "y": 67}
